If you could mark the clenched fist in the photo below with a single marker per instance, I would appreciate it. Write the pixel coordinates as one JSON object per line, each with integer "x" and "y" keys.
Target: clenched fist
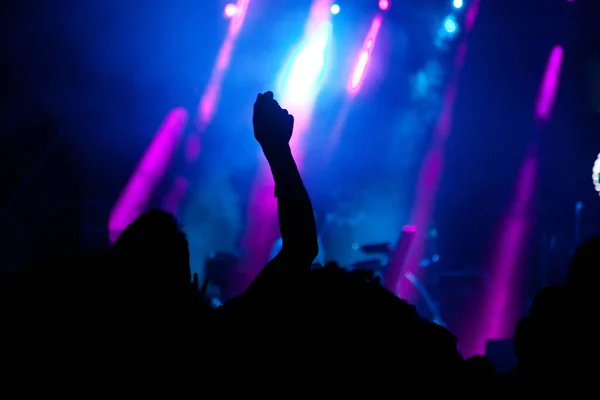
{"x": 273, "y": 125}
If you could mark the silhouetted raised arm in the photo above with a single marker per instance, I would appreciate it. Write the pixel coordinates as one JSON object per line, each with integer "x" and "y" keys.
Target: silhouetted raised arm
{"x": 296, "y": 217}
{"x": 273, "y": 128}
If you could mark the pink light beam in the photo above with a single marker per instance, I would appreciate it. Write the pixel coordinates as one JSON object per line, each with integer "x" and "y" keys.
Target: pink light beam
{"x": 208, "y": 104}
{"x": 139, "y": 190}
{"x": 210, "y": 97}
{"x": 502, "y": 309}
{"x": 362, "y": 61}
{"x": 430, "y": 174}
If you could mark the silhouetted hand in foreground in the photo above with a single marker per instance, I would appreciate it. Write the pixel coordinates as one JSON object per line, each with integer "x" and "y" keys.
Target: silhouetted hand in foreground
{"x": 273, "y": 128}
{"x": 273, "y": 125}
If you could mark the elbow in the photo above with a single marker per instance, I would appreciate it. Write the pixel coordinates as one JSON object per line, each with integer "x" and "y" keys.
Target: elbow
{"x": 304, "y": 253}
{"x": 313, "y": 251}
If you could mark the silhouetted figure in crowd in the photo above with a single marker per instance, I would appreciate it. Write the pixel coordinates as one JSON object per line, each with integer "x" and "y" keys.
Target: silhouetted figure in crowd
{"x": 273, "y": 128}
{"x": 153, "y": 258}
{"x": 479, "y": 373}
{"x": 557, "y": 343}
{"x": 133, "y": 321}
{"x": 584, "y": 274}
{"x": 320, "y": 259}
{"x": 324, "y": 328}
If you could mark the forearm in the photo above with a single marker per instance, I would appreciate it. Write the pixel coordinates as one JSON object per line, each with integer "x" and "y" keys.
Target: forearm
{"x": 296, "y": 217}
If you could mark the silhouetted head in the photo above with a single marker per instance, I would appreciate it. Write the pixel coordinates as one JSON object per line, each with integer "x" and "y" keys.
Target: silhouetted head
{"x": 153, "y": 251}
{"x": 585, "y": 263}
{"x": 550, "y": 301}
{"x": 480, "y": 365}
{"x": 542, "y": 339}
{"x": 584, "y": 272}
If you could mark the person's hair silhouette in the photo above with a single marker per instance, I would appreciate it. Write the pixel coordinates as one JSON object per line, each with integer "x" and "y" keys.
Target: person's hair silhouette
{"x": 153, "y": 252}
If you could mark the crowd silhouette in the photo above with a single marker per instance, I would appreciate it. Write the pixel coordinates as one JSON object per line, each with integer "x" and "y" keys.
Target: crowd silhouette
{"x": 135, "y": 321}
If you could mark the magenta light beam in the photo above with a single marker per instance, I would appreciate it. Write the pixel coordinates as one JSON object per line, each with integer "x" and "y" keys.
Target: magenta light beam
{"x": 139, "y": 190}
{"x": 430, "y": 174}
{"x": 353, "y": 86}
{"x": 502, "y": 308}
{"x": 209, "y": 101}
{"x": 549, "y": 86}
{"x": 362, "y": 61}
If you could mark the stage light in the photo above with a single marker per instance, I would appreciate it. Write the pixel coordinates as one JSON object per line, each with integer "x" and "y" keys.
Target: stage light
{"x": 359, "y": 70}
{"x": 304, "y": 76}
{"x": 448, "y": 30}
{"x": 335, "y": 9}
{"x": 450, "y": 24}
{"x": 596, "y": 174}
{"x": 360, "y": 67}
{"x": 384, "y": 4}
{"x": 457, "y": 4}
{"x": 231, "y": 10}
